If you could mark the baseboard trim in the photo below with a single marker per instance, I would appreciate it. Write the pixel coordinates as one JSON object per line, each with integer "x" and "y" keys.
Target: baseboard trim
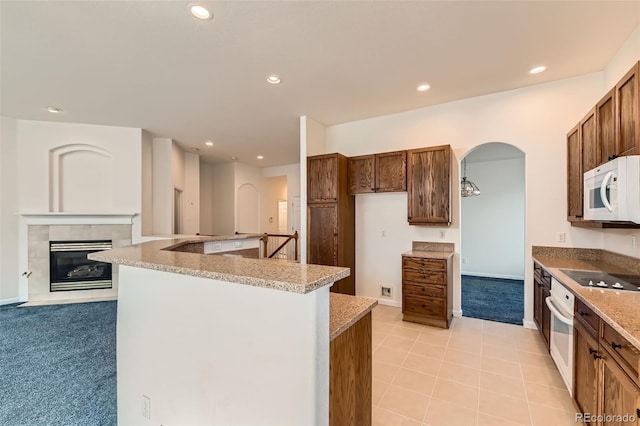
{"x": 10, "y": 301}
{"x": 529, "y": 324}
{"x": 483, "y": 275}
{"x": 388, "y": 302}
{"x": 457, "y": 313}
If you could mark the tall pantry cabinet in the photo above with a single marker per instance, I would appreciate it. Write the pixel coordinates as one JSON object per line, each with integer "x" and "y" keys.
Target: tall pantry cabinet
{"x": 331, "y": 217}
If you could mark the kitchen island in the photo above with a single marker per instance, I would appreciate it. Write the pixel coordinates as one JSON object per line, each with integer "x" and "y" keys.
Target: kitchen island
{"x": 209, "y": 339}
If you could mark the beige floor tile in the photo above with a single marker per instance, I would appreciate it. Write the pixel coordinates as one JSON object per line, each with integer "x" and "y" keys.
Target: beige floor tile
{"x": 417, "y": 382}
{"x": 502, "y": 329}
{"x": 433, "y": 338}
{"x": 405, "y": 402}
{"x": 498, "y": 366}
{"x": 382, "y": 417}
{"x": 378, "y": 388}
{"x": 466, "y": 333}
{"x": 504, "y": 407}
{"x": 509, "y": 353}
{"x": 422, "y": 364}
{"x": 458, "y": 373}
{"x": 513, "y": 387}
{"x": 399, "y": 343}
{"x": 536, "y": 346}
{"x": 497, "y": 340}
{"x": 465, "y": 343}
{"x": 559, "y": 399}
{"x": 544, "y": 416}
{"x": 443, "y": 413}
{"x": 389, "y": 355}
{"x": 381, "y": 327}
{"x": 406, "y": 333}
{"x": 487, "y": 420}
{"x": 468, "y": 323}
{"x": 383, "y": 372}
{"x": 457, "y": 393}
{"x": 467, "y": 359}
{"x": 426, "y": 349}
{"x": 546, "y": 375}
{"x": 412, "y": 325}
{"x": 531, "y": 359}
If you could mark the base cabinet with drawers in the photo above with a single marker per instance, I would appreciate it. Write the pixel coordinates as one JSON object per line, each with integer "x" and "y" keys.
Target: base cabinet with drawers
{"x": 427, "y": 290}
{"x": 541, "y": 290}
{"x": 606, "y": 384}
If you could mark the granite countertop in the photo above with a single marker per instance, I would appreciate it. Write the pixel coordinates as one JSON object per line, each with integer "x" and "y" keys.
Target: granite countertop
{"x": 345, "y": 310}
{"x": 428, "y": 254}
{"x": 430, "y": 250}
{"x": 619, "y": 309}
{"x": 268, "y": 273}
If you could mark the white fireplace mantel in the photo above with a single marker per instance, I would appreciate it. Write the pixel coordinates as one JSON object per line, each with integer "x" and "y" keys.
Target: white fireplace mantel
{"x": 77, "y": 218}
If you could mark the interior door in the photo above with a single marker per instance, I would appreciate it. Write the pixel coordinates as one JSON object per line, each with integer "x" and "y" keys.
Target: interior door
{"x": 322, "y": 246}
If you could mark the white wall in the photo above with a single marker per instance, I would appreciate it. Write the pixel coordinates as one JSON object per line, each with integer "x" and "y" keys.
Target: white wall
{"x": 162, "y": 186}
{"x": 535, "y": 119}
{"x": 191, "y": 194}
{"x": 248, "y": 183}
{"x": 292, "y": 172}
{"x": 274, "y": 190}
{"x": 492, "y": 224}
{"x": 8, "y": 211}
{"x": 147, "y": 184}
{"x": 223, "y": 199}
{"x": 37, "y": 140}
{"x": 206, "y": 199}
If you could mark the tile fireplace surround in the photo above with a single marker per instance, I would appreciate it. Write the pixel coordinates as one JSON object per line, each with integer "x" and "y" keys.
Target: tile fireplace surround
{"x": 59, "y": 227}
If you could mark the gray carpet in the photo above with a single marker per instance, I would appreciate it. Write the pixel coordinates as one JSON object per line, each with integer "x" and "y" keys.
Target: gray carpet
{"x": 493, "y": 299}
{"x": 58, "y": 364}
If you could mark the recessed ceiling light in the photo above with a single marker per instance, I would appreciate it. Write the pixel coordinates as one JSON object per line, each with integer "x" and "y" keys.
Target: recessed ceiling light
{"x": 195, "y": 149}
{"x": 537, "y": 70}
{"x": 208, "y": 143}
{"x": 423, "y": 87}
{"x": 273, "y": 79}
{"x": 200, "y": 12}
{"x": 260, "y": 157}
{"x": 54, "y": 110}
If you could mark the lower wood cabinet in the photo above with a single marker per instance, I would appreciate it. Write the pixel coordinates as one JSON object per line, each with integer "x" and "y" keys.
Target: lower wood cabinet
{"x": 606, "y": 385}
{"x": 541, "y": 312}
{"x": 427, "y": 291}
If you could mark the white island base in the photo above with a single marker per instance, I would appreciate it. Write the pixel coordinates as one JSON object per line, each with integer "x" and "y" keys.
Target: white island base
{"x": 212, "y": 352}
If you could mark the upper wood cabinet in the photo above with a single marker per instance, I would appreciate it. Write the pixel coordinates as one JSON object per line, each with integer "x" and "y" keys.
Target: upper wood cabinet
{"x": 606, "y": 139}
{"x": 323, "y": 177}
{"x": 429, "y": 185}
{"x": 628, "y": 112}
{"x": 386, "y": 172}
{"x": 590, "y": 149}
{"x": 574, "y": 175}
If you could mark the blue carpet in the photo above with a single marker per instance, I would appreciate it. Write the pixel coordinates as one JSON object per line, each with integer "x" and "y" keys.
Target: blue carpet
{"x": 493, "y": 299}
{"x": 58, "y": 364}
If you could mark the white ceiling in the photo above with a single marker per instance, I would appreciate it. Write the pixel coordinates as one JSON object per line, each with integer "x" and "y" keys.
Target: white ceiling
{"x": 152, "y": 65}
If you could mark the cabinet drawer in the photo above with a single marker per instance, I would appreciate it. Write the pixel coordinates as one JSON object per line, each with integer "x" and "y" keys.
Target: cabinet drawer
{"x": 588, "y": 317}
{"x": 423, "y": 264}
{"x": 435, "y": 308}
{"x": 429, "y": 290}
{"x": 546, "y": 278}
{"x": 617, "y": 344}
{"x": 424, "y": 276}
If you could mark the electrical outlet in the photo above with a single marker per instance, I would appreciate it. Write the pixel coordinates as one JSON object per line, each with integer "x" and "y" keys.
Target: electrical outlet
{"x": 562, "y": 237}
{"x": 633, "y": 241}
{"x": 464, "y": 260}
{"x": 146, "y": 407}
{"x": 383, "y": 233}
{"x": 217, "y": 246}
{"x": 385, "y": 291}
{"x": 442, "y": 234}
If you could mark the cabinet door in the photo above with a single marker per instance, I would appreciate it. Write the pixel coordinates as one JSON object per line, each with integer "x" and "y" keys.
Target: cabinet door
{"x": 585, "y": 370}
{"x": 620, "y": 395}
{"x": 574, "y": 175}
{"x": 391, "y": 171}
{"x": 546, "y": 315}
{"x": 590, "y": 152}
{"x": 322, "y": 178}
{"x": 606, "y": 138}
{"x": 537, "y": 303}
{"x": 628, "y": 113}
{"x": 322, "y": 240}
{"x": 429, "y": 185}
{"x": 361, "y": 174}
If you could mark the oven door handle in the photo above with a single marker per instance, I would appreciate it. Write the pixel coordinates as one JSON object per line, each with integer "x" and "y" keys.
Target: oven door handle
{"x": 557, "y": 313}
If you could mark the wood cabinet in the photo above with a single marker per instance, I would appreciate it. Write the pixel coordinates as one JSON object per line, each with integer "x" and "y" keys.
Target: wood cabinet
{"x": 331, "y": 217}
{"x": 429, "y": 185}
{"x": 574, "y": 175}
{"x": 590, "y": 149}
{"x": 541, "y": 312}
{"x": 605, "y": 371}
{"x": 385, "y": 172}
{"x": 427, "y": 287}
{"x": 606, "y": 139}
{"x": 627, "y": 95}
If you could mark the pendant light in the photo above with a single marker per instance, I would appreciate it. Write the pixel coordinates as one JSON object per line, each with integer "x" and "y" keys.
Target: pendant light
{"x": 467, "y": 187}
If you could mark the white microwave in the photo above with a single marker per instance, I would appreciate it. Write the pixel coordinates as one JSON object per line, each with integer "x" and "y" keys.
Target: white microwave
{"x": 612, "y": 191}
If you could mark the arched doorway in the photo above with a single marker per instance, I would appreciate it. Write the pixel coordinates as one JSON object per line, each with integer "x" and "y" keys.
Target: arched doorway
{"x": 248, "y": 209}
{"x": 492, "y": 233}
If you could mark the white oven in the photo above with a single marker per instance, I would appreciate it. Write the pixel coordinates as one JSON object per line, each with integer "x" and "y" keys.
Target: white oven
{"x": 560, "y": 304}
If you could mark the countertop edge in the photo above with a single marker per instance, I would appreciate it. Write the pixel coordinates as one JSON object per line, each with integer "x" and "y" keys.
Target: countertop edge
{"x": 428, "y": 254}
{"x": 558, "y": 275}
{"x": 356, "y": 308}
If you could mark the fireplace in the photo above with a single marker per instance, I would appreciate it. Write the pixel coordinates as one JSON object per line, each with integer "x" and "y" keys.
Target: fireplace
{"x": 71, "y": 270}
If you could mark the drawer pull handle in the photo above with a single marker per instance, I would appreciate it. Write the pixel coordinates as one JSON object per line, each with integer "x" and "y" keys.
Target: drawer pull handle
{"x": 597, "y": 356}
{"x": 592, "y": 351}
{"x": 423, "y": 289}
{"x": 423, "y": 276}
{"x": 584, "y": 314}
{"x": 615, "y": 345}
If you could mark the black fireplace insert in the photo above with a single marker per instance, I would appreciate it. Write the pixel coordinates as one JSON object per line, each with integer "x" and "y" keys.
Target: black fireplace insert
{"x": 71, "y": 270}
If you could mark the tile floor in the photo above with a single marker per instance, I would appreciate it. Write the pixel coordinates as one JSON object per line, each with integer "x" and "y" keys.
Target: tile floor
{"x": 476, "y": 373}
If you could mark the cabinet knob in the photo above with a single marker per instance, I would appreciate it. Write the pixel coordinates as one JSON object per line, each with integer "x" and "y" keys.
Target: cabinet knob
{"x": 423, "y": 306}
{"x": 423, "y": 276}
{"x": 584, "y": 314}
{"x": 615, "y": 345}
{"x": 423, "y": 289}
{"x": 592, "y": 351}
{"x": 597, "y": 356}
